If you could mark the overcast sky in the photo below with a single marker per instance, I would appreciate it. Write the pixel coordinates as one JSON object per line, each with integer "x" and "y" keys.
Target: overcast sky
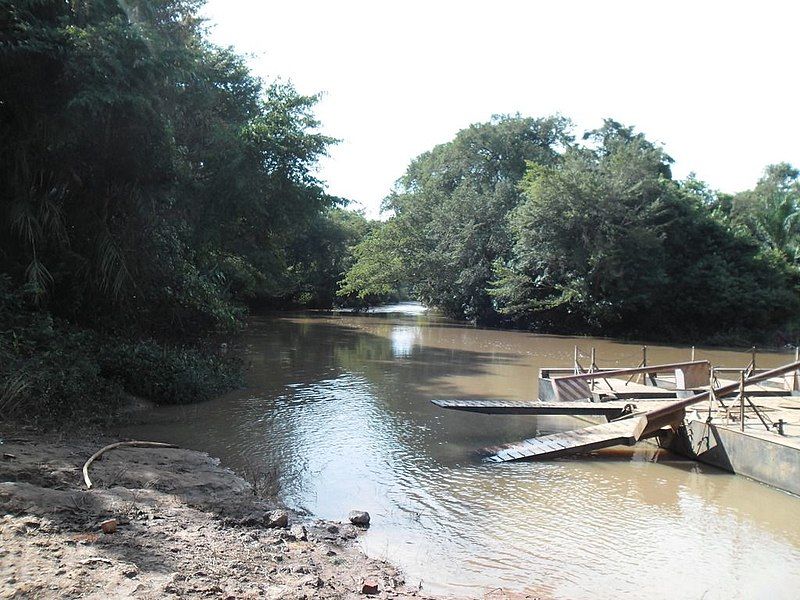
{"x": 715, "y": 82}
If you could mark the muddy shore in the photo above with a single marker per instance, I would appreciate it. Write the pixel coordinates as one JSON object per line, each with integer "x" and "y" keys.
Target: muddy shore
{"x": 186, "y": 527}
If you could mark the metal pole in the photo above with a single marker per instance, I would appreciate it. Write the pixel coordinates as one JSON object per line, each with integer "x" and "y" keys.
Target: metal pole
{"x": 790, "y": 379}
{"x": 753, "y": 359}
{"x": 711, "y": 397}
{"x": 741, "y": 400}
{"x": 692, "y": 353}
{"x": 575, "y": 360}
{"x": 644, "y": 364}
{"x": 592, "y": 367}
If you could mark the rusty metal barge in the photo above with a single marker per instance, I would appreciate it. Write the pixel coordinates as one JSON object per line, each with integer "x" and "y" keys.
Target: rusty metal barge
{"x": 742, "y": 420}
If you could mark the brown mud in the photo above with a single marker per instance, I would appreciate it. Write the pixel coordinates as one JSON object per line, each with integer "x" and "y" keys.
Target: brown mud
{"x": 186, "y": 528}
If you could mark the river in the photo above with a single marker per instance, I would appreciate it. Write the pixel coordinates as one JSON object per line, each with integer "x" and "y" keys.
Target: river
{"x": 336, "y": 416}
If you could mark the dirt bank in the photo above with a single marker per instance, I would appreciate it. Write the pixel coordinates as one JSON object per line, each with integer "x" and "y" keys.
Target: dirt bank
{"x": 187, "y": 528}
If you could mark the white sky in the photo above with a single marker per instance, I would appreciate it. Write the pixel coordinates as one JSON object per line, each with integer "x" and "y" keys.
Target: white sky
{"x": 715, "y": 82}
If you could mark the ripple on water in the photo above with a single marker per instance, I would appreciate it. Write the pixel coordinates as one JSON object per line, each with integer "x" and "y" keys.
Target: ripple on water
{"x": 338, "y": 413}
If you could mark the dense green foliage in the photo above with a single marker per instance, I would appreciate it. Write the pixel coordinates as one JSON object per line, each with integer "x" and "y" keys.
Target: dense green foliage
{"x": 151, "y": 189}
{"x": 50, "y": 370}
{"x": 771, "y": 211}
{"x": 513, "y": 223}
{"x": 450, "y": 208}
{"x": 607, "y": 242}
{"x": 150, "y": 186}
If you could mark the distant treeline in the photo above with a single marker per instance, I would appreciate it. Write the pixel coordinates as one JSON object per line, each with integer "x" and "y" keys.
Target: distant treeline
{"x": 515, "y": 223}
{"x": 150, "y": 188}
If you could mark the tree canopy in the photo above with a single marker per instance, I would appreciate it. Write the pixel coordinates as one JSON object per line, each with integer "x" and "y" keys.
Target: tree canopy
{"x": 607, "y": 242}
{"x": 150, "y": 184}
{"x": 515, "y": 223}
{"x": 147, "y": 173}
{"x": 449, "y": 223}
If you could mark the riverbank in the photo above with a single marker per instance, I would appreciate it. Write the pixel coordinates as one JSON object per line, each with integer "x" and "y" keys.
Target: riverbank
{"x": 186, "y": 527}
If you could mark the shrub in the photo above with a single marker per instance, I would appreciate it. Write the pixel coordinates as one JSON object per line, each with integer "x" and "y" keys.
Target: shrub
{"x": 172, "y": 375}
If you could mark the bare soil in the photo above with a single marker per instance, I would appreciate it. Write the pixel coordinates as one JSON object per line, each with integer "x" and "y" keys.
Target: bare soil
{"x": 186, "y": 528}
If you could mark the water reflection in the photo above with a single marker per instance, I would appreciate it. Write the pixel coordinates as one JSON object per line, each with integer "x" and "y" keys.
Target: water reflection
{"x": 403, "y": 338}
{"x": 337, "y": 408}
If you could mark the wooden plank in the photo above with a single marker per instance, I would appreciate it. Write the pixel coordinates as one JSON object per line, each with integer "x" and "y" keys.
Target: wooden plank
{"x": 514, "y": 452}
{"x": 531, "y": 446}
{"x": 573, "y": 437}
{"x": 548, "y": 445}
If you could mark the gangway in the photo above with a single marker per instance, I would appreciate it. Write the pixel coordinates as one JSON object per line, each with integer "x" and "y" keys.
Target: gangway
{"x": 628, "y": 430}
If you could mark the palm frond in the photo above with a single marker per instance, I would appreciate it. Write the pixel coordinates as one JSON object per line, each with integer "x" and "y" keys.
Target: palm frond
{"x": 37, "y": 279}
{"x": 112, "y": 269}
{"x": 11, "y": 393}
{"x": 24, "y": 223}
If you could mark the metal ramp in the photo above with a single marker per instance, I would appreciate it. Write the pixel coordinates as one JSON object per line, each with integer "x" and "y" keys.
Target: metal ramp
{"x": 609, "y": 409}
{"x": 569, "y": 442}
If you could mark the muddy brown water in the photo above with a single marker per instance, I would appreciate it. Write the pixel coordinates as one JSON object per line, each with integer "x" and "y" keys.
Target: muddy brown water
{"x": 336, "y": 416}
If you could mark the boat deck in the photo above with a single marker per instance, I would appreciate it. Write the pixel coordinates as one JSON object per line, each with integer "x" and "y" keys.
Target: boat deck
{"x": 772, "y": 409}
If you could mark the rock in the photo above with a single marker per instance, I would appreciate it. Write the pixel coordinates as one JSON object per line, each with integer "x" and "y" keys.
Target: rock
{"x": 253, "y": 519}
{"x": 312, "y": 581}
{"x": 130, "y": 571}
{"x": 278, "y": 518}
{"x": 369, "y": 586}
{"x": 109, "y": 526}
{"x": 359, "y": 517}
{"x": 299, "y": 532}
{"x": 92, "y": 560}
{"x": 332, "y": 528}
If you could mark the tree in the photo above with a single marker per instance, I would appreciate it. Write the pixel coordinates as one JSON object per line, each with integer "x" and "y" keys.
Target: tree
{"x": 376, "y": 271}
{"x": 588, "y": 237}
{"x": 607, "y": 243}
{"x": 148, "y": 176}
{"x": 771, "y": 211}
{"x": 449, "y": 215}
{"x": 149, "y": 185}
{"x": 321, "y": 255}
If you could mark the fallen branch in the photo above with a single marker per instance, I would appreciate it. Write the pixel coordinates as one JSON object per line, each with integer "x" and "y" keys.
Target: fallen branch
{"x": 133, "y": 444}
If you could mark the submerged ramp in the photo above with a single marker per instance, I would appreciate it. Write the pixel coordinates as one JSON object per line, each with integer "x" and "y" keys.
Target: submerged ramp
{"x": 569, "y": 442}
